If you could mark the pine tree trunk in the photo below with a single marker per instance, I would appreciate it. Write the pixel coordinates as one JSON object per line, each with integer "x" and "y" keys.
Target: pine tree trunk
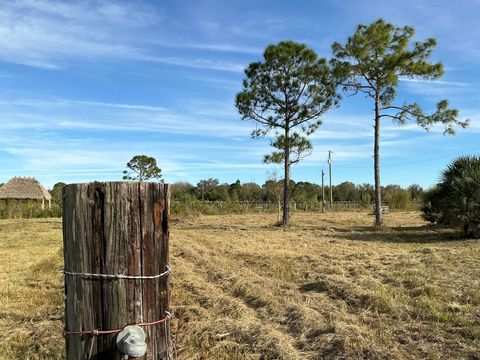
{"x": 376, "y": 157}
{"x": 286, "y": 192}
{"x": 286, "y": 183}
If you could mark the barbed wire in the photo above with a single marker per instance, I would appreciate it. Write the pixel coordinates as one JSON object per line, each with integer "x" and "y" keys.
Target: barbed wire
{"x": 117, "y": 276}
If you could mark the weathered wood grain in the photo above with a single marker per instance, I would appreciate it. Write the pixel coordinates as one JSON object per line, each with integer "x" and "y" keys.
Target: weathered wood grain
{"x": 116, "y": 228}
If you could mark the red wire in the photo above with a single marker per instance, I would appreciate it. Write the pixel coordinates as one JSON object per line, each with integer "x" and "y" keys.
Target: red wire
{"x": 107, "y": 332}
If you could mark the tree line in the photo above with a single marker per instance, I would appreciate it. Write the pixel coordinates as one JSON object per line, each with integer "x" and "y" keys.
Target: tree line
{"x": 271, "y": 190}
{"x": 302, "y": 192}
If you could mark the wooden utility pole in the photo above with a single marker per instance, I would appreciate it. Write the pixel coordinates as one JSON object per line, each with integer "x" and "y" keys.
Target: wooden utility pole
{"x": 323, "y": 191}
{"x": 330, "y": 175}
{"x": 116, "y": 268}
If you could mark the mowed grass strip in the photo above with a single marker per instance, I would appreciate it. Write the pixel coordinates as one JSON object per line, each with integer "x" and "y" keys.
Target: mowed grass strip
{"x": 328, "y": 287}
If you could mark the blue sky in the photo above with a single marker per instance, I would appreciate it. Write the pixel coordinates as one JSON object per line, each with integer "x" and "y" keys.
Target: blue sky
{"x": 86, "y": 85}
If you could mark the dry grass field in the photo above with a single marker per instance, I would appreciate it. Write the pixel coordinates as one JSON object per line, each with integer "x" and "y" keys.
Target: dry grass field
{"x": 328, "y": 287}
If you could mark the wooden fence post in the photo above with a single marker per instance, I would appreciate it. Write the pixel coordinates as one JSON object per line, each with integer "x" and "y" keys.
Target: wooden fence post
{"x": 111, "y": 229}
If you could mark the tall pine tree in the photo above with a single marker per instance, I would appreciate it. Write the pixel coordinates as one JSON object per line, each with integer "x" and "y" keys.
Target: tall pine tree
{"x": 371, "y": 62}
{"x": 286, "y": 94}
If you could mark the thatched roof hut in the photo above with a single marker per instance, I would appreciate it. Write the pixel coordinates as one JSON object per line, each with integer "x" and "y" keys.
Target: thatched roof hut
{"x": 20, "y": 188}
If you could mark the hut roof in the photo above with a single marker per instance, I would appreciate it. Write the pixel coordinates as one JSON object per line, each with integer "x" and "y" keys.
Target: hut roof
{"x": 24, "y": 188}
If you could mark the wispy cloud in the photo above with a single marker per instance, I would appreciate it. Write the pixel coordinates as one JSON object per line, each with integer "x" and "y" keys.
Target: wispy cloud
{"x": 48, "y": 34}
{"x": 55, "y": 103}
{"x": 197, "y": 63}
{"x": 437, "y": 88}
{"x": 217, "y": 47}
{"x": 125, "y": 13}
{"x": 209, "y": 118}
{"x": 436, "y": 82}
{"x": 218, "y": 82}
{"x": 42, "y": 34}
{"x": 94, "y": 158}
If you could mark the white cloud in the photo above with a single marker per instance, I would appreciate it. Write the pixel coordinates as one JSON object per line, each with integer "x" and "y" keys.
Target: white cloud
{"x": 436, "y": 88}
{"x": 106, "y": 11}
{"x": 59, "y": 102}
{"x": 51, "y": 34}
{"x": 197, "y": 63}
{"x": 195, "y": 117}
{"x": 217, "y": 47}
{"x": 30, "y": 37}
{"x": 436, "y": 82}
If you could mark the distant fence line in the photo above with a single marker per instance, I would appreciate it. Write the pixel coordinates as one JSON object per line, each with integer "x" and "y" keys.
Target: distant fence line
{"x": 295, "y": 205}
{"x": 252, "y": 205}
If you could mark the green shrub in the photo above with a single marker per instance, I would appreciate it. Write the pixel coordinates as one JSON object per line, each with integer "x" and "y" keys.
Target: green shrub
{"x": 456, "y": 199}
{"x": 396, "y": 197}
{"x": 27, "y": 209}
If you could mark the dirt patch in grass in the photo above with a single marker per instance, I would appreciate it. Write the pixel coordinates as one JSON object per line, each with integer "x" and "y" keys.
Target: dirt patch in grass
{"x": 328, "y": 287}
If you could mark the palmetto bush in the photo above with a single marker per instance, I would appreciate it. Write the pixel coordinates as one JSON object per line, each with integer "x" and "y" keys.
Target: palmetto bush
{"x": 456, "y": 199}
